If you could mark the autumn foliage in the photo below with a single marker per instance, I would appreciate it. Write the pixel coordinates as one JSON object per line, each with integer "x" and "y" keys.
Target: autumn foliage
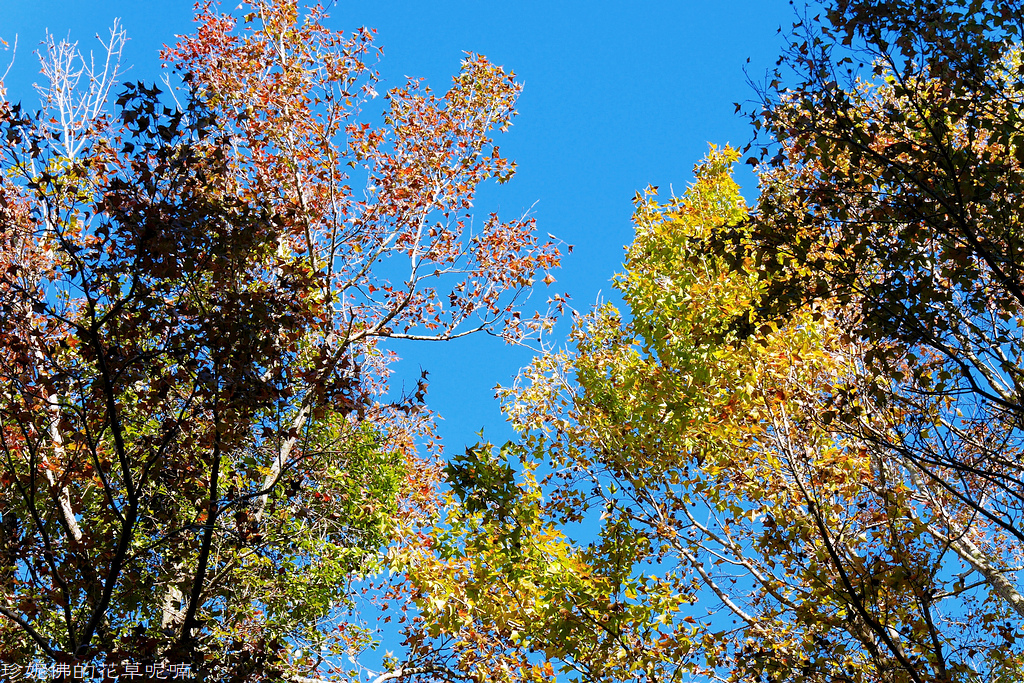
{"x": 198, "y": 458}
{"x": 791, "y": 454}
{"x": 689, "y": 503}
{"x": 796, "y": 456}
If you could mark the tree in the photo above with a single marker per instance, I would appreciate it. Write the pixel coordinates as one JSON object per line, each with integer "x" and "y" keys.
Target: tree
{"x": 741, "y": 530}
{"x": 810, "y": 419}
{"x": 198, "y": 459}
{"x": 814, "y": 412}
{"x": 895, "y": 190}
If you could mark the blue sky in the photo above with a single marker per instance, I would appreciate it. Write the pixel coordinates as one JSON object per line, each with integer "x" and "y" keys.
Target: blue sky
{"x": 618, "y": 95}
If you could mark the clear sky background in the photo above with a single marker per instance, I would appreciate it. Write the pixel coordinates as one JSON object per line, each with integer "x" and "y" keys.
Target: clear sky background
{"x": 618, "y": 95}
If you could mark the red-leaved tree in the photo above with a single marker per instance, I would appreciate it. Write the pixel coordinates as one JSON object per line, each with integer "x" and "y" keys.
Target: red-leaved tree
{"x": 197, "y": 455}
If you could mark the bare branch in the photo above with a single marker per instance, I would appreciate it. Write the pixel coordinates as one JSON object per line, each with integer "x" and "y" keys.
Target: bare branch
{"x": 76, "y": 89}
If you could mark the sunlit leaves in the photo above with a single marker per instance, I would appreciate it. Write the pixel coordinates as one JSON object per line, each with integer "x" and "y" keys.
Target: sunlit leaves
{"x": 198, "y": 460}
{"x": 742, "y": 526}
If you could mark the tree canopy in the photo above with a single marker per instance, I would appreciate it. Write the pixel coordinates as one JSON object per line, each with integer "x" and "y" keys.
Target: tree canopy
{"x": 199, "y": 457}
{"x": 799, "y": 446}
{"x": 792, "y": 454}
{"x": 742, "y": 529}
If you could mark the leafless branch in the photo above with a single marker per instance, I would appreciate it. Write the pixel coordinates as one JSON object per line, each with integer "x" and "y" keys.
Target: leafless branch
{"x": 76, "y": 88}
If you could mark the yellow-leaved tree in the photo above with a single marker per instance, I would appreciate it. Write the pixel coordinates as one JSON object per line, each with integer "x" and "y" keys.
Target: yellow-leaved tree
{"x": 686, "y": 501}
